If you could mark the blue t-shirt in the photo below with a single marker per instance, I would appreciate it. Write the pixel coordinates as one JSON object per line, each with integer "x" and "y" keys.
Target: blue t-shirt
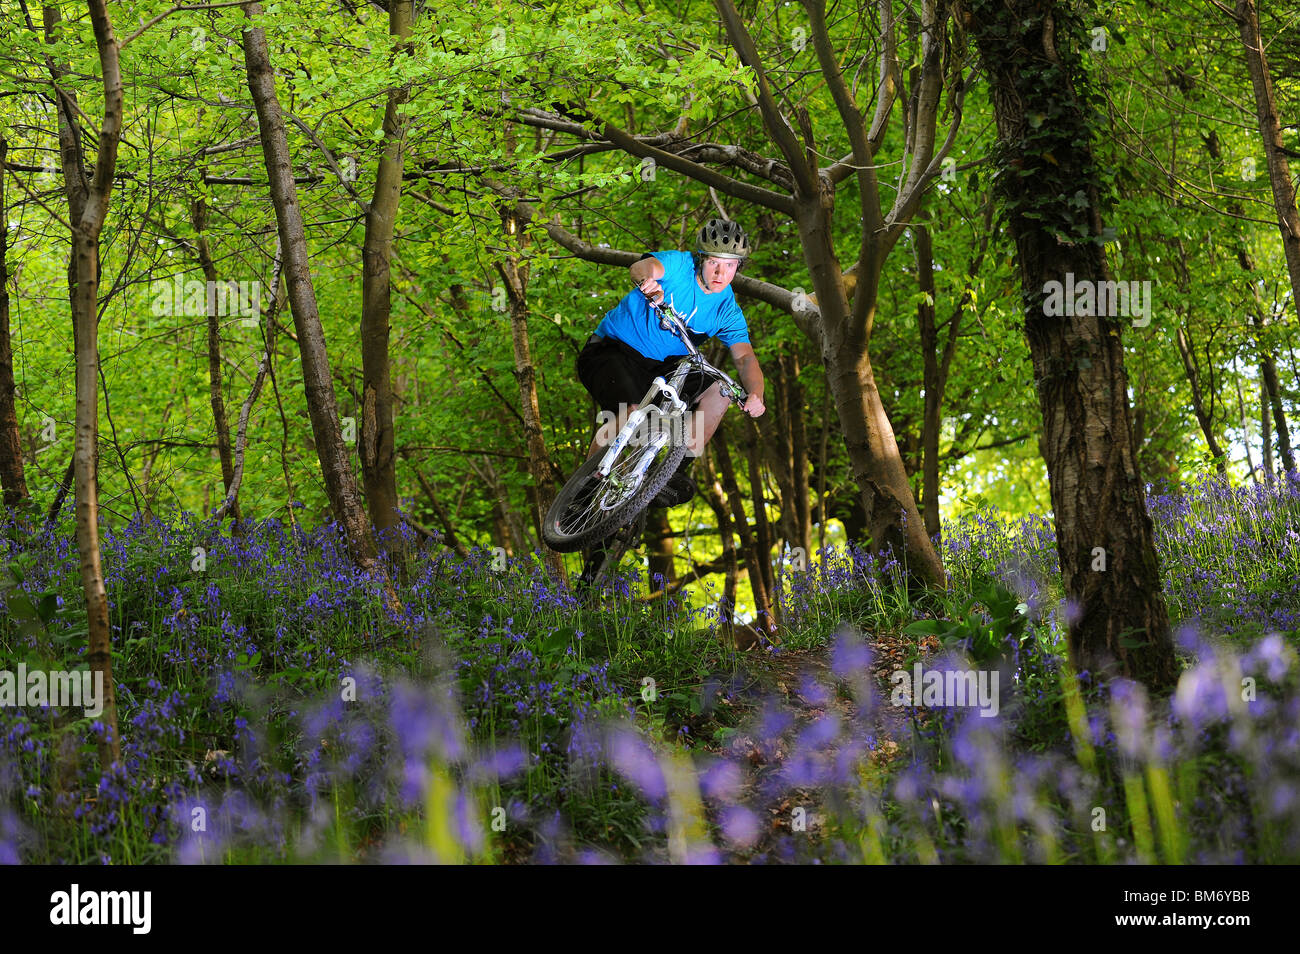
{"x": 633, "y": 322}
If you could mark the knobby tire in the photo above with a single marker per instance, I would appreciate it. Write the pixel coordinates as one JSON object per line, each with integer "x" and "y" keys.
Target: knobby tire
{"x": 581, "y": 489}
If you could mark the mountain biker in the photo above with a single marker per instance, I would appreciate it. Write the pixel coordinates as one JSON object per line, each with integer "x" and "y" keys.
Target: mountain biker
{"x": 629, "y": 349}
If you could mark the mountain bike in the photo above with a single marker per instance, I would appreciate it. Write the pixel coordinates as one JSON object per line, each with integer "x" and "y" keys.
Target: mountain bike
{"x": 602, "y": 506}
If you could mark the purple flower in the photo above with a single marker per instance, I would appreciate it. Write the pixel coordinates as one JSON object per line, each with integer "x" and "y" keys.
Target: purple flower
{"x": 721, "y": 781}
{"x": 740, "y": 826}
{"x": 634, "y": 760}
{"x": 1273, "y": 654}
{"x": 1128, "y": 707}
{"x": 1200, "y": 697}
{"x": 849, "y": 655}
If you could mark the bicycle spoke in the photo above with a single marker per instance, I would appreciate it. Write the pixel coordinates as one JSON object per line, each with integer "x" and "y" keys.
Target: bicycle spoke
{"x": 622, "y": 483}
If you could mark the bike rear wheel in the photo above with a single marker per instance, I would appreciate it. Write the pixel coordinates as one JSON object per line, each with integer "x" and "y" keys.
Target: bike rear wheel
{"x": 589, "y": 507}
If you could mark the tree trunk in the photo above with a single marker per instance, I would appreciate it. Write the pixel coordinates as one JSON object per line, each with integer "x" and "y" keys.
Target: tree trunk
{"x": 378, "y": 458}
{"x": 1031, "y": 51}
{"x": 775, "y": 429}
{"x": 717, "y": 500}
{"x": 88, "y": 200}
{"x": 660, "y": 550}
{"x": 762, "y": 527}
{"x": 215, "y": 389}
{"x": 821, "y": 473}
{"x": 937, "y": 365}
{"x": 1203, "y": 417}
{"x": 1241, "y": 413}
{"x": 802, "y": 519}
{"x": 515, "y": 277}
{"x": 322, "y": 407}
{"x": 893, "y": 521}
{"x": 1268, "y": 367}
{"x": 931, "y": 419}
{"x": 263, "y": 369}
{"x": 1270, "y": 131}
{"x": 11, "y": 450}
{"x": 1265, "y": 432}
{"x": 1273, "y": 393}
{"x": 754, "y": 558}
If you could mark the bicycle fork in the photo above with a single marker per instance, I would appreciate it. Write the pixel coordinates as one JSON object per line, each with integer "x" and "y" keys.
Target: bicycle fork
{"x": 634, "y": 421}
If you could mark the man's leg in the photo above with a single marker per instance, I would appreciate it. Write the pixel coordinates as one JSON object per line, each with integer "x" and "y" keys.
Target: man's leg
{"x": 704, "y": 421}
{"x": 700, "y": 427}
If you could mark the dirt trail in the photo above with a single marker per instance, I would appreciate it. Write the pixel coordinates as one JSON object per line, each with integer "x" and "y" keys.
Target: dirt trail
{"x": 803, "y": 685}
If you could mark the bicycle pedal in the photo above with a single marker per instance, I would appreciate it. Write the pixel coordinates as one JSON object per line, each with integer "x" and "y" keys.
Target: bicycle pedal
{"x": 680, "y": 489}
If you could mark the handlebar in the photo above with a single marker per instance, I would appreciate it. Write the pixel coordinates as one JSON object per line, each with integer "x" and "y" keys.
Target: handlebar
{"x": 671, "y": 320}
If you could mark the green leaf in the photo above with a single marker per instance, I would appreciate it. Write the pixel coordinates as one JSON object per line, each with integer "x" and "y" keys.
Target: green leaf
{"x": 559, "y": 640}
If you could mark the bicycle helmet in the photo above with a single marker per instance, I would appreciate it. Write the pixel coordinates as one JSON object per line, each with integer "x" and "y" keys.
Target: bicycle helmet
{"x": 722, "y": 238}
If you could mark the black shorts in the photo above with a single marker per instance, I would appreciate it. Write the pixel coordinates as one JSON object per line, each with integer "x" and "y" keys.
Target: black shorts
{"x": 615, "y": 373}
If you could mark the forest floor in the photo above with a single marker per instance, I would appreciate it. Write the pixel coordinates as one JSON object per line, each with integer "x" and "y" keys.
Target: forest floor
{"x": 803, "y": 683}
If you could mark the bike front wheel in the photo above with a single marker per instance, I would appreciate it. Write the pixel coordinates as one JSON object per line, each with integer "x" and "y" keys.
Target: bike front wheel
{"x": 589, "y": 507}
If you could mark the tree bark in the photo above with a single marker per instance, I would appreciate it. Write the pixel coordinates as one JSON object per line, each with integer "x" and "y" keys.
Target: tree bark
{"x": 322, "y": 407}
{"x": 931, "y": 419}
{"x": 12, "y": 479}
{"x": 717, "y": 500}
{"x": 216, "y": 393}
{"x": 660, "y": 549}
{"x": 263, "y": 369}
{"x": 1265, "y": 432}
{"x": 378, "y": 458}
{"x": 515, "y": 276}
{"x": 88, "y": 200}
{"x": 762, "y": 527}
{"x": 1270, "y": 131}
{"x": 754, "y": 558}
{"x": 775, "y": 429}
{"x": 1241, "y": 414}
{"x": 1273, "y": 395}
{"x": 1203, "y": 417}
{"x": 1268, "y": 367}
{"x": 1031, "y": 51}
{"x": 821, "y": 474}
{"x": 802, "y": 520}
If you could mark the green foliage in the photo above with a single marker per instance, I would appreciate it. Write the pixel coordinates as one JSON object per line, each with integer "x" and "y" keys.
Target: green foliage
{"x": 985, "y": 636}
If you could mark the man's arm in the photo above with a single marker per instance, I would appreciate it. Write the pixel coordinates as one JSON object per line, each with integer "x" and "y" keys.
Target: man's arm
{"x": 647, "y": 267}
{"x": 751, "y": 376}
{"x": 646, "y": 273}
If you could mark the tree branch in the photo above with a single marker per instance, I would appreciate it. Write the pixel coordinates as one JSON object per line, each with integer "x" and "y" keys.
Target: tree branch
{"x": 777, "y": 125}
{"x": 774, "y": 295}
{"x": 741, "y": 190}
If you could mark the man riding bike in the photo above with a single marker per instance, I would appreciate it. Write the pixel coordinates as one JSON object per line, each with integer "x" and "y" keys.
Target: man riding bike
{"x": 629, "y": 348}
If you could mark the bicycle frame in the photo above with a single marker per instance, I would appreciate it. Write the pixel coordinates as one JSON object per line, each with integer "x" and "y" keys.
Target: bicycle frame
{"x": 669, "y": 320}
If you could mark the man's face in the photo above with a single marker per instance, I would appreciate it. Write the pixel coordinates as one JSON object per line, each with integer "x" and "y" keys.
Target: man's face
{"x": 717, "y": 273}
